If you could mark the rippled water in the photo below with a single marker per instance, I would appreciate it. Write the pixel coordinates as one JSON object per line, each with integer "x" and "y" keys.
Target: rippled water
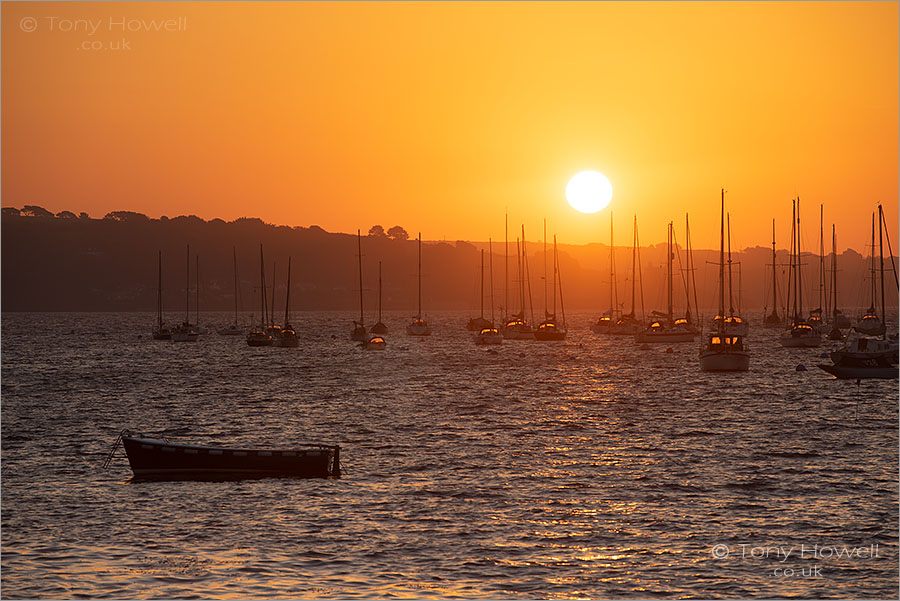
{"x": 583, "y": 469}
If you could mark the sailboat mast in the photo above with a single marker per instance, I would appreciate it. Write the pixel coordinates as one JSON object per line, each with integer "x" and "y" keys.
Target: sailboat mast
{"x": 419, "y": 315}
{"x": 545, "y": 268}
{"x": 262, "y": 288}
{"x": 792, "y": 271}
{"x": 521, "y": 280}
{"x": 272, "y": 312}
{"x": 234, "y": 254}
{"x": 822, "y": 299}
{"x": 491, "y": 259}
{"x": 187, "y": 287}
{"x": 881, "y": 270}
{"x": 873, "y": 263}
{"x": 799, "y": 259}
{"x": 834, "y": 296}
{"x": 359, "y": 258}
{"x": 613, "y": 301}
{"x": 198, "y": 290}
{"x": 692, "y": 281}
{"x": 506, "y": 264}
{"x": 562, "y": 305}
{"x": 730, "y": 288}
{"x": 526, "y": 274}
{"x": 774, "y": 279}
{"x": 637, "y": 241}
{"x": 554, "y": 279}
{"x": 633, "y": 259}
{"x": 482, "y": 283}
{"x": 287, "y": 298}
{"x": 379, "y": 291}
{"x": 669, "y": 281}
{"x": 721, "y": 313}
{"x": 159, "y": 294}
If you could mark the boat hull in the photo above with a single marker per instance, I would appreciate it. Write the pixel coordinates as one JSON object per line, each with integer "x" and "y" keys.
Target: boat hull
{"x": 789, "y": 341}
{"x": 418, "y": 330}
{"x": 846, "y": 372}
{"x": 540, "y": 334}
{"x": 736, "y": 361}
{"x": 185, "y": 336}
{"x": 159, "y": 459}
{"x": 664, "y": 337}
{"x": 518, "y": 332}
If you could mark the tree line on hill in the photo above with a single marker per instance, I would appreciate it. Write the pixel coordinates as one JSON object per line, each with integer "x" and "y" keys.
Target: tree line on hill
{"x": 69, "y": 262}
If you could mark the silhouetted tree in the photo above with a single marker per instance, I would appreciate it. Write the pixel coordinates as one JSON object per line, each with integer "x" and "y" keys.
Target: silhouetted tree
{"x": 12, "y": 211}
{"x": 83, "y": 215}
{"x": 126, "y": 216}
{"x": 398, "y": 233}
{"x": 66, "y": 215}
{"x": 377, "y": 230}
{"x": 35, "y": 211}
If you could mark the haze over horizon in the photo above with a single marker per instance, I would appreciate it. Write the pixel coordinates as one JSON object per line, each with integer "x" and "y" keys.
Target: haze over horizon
{"x": 442, "y": 117}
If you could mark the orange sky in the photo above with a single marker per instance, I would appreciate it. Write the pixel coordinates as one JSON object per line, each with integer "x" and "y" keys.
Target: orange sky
{"x": 439, "y": 117}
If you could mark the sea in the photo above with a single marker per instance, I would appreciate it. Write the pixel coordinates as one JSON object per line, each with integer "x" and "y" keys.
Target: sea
{"x": 586, "y": 469}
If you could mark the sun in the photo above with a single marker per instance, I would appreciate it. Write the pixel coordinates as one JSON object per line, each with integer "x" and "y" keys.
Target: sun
{"x": 589, "y": 191}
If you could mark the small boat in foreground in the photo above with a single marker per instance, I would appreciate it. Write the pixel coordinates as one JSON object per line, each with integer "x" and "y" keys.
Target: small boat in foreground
{"x": 153, "y": 458}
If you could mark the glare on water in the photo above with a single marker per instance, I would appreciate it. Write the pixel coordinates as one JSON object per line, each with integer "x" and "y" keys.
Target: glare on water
{"x": 586, "y": 468}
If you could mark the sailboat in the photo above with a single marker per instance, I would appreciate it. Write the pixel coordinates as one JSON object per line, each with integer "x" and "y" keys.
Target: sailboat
{"x": 379, "y": 327}
{"x": 258, "y": 336}
{"x": 186, "y": 332}
{"x": 609, "y": 317}
{"x": 724, "y": 351}
{"x": 839, "y": 321}
{"x": 800, "y": 334}
{"x": 419, "y": 327}
{"x": 516, "y": 327}
{"x": 286, "y": 337}
{"x": 862, "y": 356}
{"x": 359, "y": 333}
{"x": 234, "y": 329}
{"x": 160, "y": 332}
{"x": 668, "y": 329}
{"x": 816, "y": 316}
{"x": 550, "y": 328}
{"x": 870, "y": 324}
{"x": 476, "y": 324}
{"x": 488, "y": 334}
{"x": 628, "y": 324}
{"x": 772, "y": 320}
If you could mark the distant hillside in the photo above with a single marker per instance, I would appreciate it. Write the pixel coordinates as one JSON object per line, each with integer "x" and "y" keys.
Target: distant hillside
{"x": 67, "y": 262}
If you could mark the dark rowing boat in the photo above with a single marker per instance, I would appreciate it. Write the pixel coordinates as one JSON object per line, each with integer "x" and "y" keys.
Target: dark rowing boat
{"x": 153, "y": 458}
